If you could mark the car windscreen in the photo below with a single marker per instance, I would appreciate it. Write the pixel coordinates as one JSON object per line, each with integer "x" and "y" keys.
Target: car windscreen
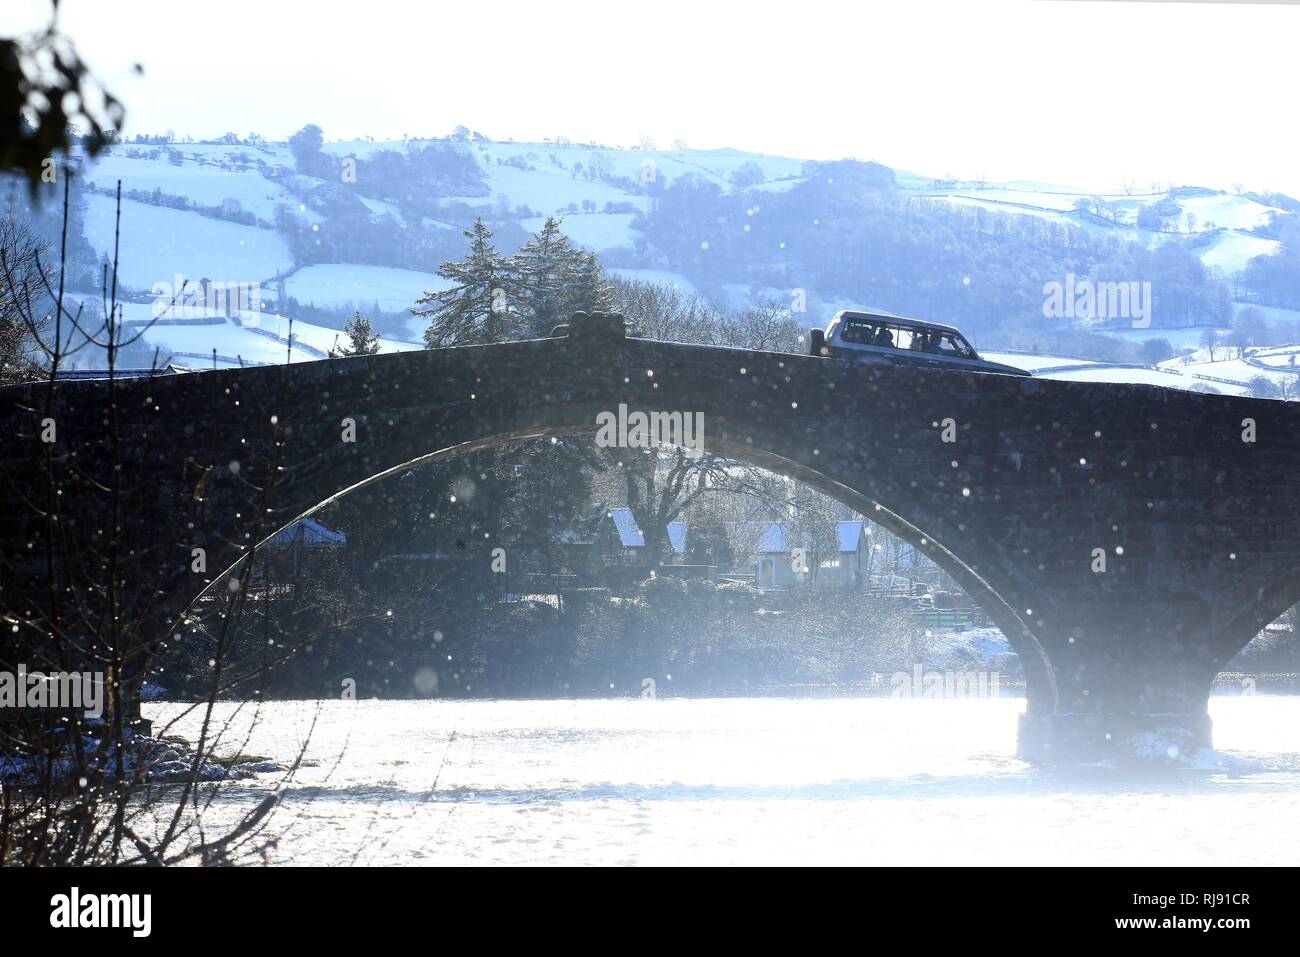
{"x": 951, "y": 344}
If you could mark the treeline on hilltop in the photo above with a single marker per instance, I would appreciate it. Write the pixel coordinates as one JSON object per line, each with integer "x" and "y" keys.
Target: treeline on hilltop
{"x": 843, "y": 232}
{"x": 847, "y": 232}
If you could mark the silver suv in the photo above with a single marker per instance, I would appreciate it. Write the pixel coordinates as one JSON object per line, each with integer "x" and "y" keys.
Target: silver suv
{"x": 882, "y": 339}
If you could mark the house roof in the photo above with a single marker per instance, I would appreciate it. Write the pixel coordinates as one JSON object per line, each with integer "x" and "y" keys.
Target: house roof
{"x": 774, "y": 539}
{"x": 677, "y": 537}
{"x": 629, "y": 532}
{"x": 307, "y": 532}
{"x": 631, "y": 536}
{"x": 850, "y": 535}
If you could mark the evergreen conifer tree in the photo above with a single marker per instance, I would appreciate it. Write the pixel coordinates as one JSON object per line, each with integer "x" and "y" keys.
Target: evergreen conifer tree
{"x": 361, "y": 339}
{"x": 483, "y": 304}
{"x": 557, "y": 279}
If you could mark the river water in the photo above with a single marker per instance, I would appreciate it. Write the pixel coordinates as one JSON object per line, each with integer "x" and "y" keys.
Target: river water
{"x": 863, "y": 780}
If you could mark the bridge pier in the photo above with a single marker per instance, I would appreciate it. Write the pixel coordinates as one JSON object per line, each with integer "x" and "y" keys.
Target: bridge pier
{"x": 1132, "y": 680}
{"x": 1077, "y": 737}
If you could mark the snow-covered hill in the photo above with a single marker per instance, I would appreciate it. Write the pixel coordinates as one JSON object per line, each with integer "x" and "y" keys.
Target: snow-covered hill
{"x": 1228, "y": 372}
{"x": 221, "y": 211}
{"x": 1228, "y": 223}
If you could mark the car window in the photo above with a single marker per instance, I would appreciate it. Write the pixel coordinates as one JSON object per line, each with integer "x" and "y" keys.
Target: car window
{"x": 958, "y": 346}
{"x": 860, "y": 332}
{"x": 952, "y": 345}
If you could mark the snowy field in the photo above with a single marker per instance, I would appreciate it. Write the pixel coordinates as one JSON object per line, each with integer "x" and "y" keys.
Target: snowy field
{"x": 336, "y": 284}
{"x": 1167, "y": 379}
{"x": 598, "y": 231}
{"x": 1238, "y": 370}
{"x": 1229, "y": 252}
{"x": 204, "y": 185}
{"x": 1035, "y": 363}
{"x": 1227, "y": 374}
{"x": 158, "y": 243}
{"x": 1281, "y": 357}
{"x": 189, "y": 338}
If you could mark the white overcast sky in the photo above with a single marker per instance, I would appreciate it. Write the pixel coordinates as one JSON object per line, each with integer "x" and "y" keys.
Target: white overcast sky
{"x": 1069, "y": 91}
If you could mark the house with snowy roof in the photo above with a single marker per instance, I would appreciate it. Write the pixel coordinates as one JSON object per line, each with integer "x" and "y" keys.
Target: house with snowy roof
{"x": 621, "y": 537}
{"x": 852, "y": 561}
{"x": 777, "y": 565}
{"x": 306, "y": 533}
{"x": 612, "y": 537}
{"x": 290, "y": 552}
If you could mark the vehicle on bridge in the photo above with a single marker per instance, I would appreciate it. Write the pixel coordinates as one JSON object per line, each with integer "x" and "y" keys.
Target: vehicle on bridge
{"x": 878, "y": 338}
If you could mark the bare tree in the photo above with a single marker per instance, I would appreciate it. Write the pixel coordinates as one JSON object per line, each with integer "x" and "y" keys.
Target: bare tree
{"x": 663, "y": 483}
{"x": 79, "y": 788}
{"x": 22, "y": 289}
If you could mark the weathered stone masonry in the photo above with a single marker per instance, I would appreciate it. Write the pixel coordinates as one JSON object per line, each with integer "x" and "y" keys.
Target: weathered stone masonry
{"x": 1200, "y": 529}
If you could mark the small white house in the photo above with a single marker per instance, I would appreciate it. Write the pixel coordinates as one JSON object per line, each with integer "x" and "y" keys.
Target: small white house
{"x": 774, "y": 558}
{"x": 777, "y": 566}
{"x": 852, "y": 562}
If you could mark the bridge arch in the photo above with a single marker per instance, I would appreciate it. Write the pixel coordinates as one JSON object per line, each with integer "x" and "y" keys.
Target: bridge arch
{"x": 1201, "y": 531}
{"x": 1040, "y": 678}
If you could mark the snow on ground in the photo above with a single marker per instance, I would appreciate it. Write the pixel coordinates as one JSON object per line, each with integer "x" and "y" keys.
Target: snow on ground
{"x": 995, "y": 206}
{"x": 205, "y": 185}
{"x": 379, "y": 208}
{"x": 1231, "y": 251}
{"x": 717, "y": 166}
{"x": 1228, "y": 375}
{"x": 1036, "y": 363}
{"x": 557, "y": 173}
{"x": 1236, "y": 369}
{"x": 1047, "y": 196}
{"x": 970, "y": 648}
{"x": 272, "y": 154}
{"x": 336, "y": 284}
{"x": 189, "y": 338}
{"x": 1171, "y": 375}
{"x": 794, "y": 781}
{"x": 1229, "y": 212}
{"x": 158, "y": 243}
{"x": 322, "y": 338}
{"x": 598, "y": 231}
{"x": 193, "y": 345}
{"x": 545, "y": 190}
{"x": 1117, "y": 374}
{"x": 778, "y": 185}
{"x": 1279, "y": 357}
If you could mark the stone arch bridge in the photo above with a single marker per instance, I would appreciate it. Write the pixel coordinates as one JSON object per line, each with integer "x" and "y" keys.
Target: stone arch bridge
{"x": 1014, "y": 486}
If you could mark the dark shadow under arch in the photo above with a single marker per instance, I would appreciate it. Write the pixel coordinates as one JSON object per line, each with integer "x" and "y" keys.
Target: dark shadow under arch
{"x": 1041, "y": 680}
